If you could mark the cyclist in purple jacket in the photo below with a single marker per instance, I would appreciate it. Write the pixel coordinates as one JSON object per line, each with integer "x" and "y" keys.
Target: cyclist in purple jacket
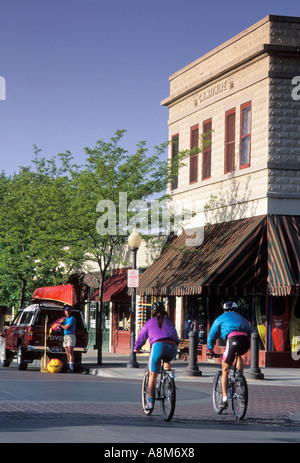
{"x": 163, "y": 340}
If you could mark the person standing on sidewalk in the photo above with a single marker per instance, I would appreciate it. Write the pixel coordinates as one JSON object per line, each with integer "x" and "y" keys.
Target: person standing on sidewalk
{"x": 69, "y": 343}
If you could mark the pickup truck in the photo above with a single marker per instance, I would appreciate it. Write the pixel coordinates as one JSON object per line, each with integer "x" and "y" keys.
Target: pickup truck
{"x": 25, "y": 337}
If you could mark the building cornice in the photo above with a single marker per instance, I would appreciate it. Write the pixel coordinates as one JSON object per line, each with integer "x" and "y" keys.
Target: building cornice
{"x": 264, "y": 49}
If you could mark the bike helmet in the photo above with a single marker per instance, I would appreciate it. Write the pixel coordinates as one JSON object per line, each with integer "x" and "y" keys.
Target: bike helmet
{"x": 158, "y": 310}
{"x": 230, "y": 306}
{"x": 158, "y": 306}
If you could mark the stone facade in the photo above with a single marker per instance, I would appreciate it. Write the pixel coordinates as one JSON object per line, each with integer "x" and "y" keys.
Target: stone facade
{"x": 256, "y": 66}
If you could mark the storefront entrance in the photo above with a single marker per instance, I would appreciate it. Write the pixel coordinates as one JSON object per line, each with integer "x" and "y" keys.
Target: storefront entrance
{"x": 195, "y": 317}
{"x": 121, "y": 327}
{"x": 91, "y": 315}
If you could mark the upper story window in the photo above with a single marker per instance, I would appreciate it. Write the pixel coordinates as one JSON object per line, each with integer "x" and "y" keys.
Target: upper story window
{"x": 245, "y": 134}
{"x": 206, "y": 154}
{"x": 194, "y": 144}
{"x": 229, "y": 141}
{"x": 174, "y": 154}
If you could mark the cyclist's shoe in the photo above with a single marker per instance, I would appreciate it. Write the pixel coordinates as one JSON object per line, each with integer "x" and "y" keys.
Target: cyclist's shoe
{"x": 223, "y": 404}
{"x": 149, "y": 406}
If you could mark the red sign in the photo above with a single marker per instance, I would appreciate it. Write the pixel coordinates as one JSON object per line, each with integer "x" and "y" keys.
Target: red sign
{"x": 133, "y": 278}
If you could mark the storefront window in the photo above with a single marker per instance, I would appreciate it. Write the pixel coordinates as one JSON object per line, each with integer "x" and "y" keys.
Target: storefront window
{"x": 294, "y": 327}
{"x": 93, "y": 311}
{"x": 280, "y": 323}
{"x": 144, "y": 308}
{"x": 123, "y": 317}
{"x": 196, "y": 317}
{"x": 147, "y": 304}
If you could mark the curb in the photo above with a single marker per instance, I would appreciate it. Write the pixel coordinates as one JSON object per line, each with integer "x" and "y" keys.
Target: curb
{"x": 295, "y": 417}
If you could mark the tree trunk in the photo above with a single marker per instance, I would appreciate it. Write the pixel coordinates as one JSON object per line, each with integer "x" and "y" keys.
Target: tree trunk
{"x": 22, "y": 293}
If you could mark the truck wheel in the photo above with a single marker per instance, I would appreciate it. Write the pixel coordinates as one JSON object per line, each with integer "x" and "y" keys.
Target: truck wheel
{"x": 4, "y": 356}
{"x": 21, "y": 358}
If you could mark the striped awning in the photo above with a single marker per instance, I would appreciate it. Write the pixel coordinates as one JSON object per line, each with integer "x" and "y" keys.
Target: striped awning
{"x": 283, "y": 255}
{"x": 248, "y": 256}
{"x": 231, "y": 259}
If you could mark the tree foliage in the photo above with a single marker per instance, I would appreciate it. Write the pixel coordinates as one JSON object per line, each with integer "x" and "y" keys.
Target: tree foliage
{"x": 48, "y": 212}
{"x": 33, "y": 245}
{"x": 110, "y": 171}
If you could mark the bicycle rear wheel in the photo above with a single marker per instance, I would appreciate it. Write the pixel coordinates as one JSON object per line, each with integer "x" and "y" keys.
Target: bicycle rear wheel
{"x": 217, "y": 393}
{"x": 167, "y": 397}
{"x": 239, "y": 397}
{"x": 145, "y": 393}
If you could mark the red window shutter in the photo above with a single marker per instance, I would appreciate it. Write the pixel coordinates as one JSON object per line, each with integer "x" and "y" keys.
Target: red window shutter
{"x": 194, "y": 136}
{"x": 194, "y": 157}
{"x": 194, "y": 168}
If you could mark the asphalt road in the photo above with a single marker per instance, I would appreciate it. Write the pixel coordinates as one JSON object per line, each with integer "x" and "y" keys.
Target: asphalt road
{"x": 79, "y": 408}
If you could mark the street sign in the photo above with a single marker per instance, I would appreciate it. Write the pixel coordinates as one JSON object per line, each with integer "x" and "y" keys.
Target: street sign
{"x": 132, "y": 278}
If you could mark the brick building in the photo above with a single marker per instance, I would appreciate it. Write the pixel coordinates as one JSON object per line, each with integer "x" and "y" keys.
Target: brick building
{"x": 245, "y": 93}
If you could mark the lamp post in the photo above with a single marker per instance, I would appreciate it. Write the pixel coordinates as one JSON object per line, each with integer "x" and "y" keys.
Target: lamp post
{"x": 134, "y": 241}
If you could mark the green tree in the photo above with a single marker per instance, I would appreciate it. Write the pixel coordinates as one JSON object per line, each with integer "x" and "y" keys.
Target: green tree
{"x": 50, "y": 210}
{"x": 109, "y": 171}
{"x": 34, "y": 250}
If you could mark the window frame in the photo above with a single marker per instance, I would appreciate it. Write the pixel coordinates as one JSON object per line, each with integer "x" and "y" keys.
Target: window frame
{"x": 231, "y": 143}
{"x": 243, "y": 106}
{"x": 207, "y": 151}
{"x": 193, "y": 171}
{"x": 174, "y": 181}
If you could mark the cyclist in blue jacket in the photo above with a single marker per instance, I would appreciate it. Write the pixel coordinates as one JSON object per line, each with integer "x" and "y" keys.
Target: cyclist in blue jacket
{"x": 235, "y": 330}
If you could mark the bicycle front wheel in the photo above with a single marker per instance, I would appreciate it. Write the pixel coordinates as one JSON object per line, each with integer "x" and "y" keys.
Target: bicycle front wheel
{"x": 239, "y": 397}
{"x": 168, "y": 397}
{"x": 145, "y": 393}
{"x": 217, "y": 393}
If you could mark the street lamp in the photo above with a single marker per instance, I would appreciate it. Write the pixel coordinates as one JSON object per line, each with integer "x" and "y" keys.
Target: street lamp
{"x": 134, "y": 241}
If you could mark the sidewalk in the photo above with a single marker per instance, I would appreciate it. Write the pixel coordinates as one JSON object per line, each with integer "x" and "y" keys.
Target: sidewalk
{"x": 115, "y": 366}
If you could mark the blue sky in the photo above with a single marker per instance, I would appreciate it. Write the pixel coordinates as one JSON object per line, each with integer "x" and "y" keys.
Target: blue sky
{"x": 78, "y": 70}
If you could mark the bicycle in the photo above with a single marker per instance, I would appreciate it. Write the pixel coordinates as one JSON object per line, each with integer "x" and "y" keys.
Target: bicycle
{"x": 165, "y": 392}
{"x": 237, "y": 391}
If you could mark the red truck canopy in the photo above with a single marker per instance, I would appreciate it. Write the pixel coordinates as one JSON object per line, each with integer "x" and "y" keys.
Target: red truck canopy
{"x": 64, "y": 293}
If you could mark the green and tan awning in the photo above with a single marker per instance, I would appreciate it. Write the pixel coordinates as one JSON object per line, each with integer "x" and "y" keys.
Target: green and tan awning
{"x": 283, "y": 255}
{"x": 244, "y": 256}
